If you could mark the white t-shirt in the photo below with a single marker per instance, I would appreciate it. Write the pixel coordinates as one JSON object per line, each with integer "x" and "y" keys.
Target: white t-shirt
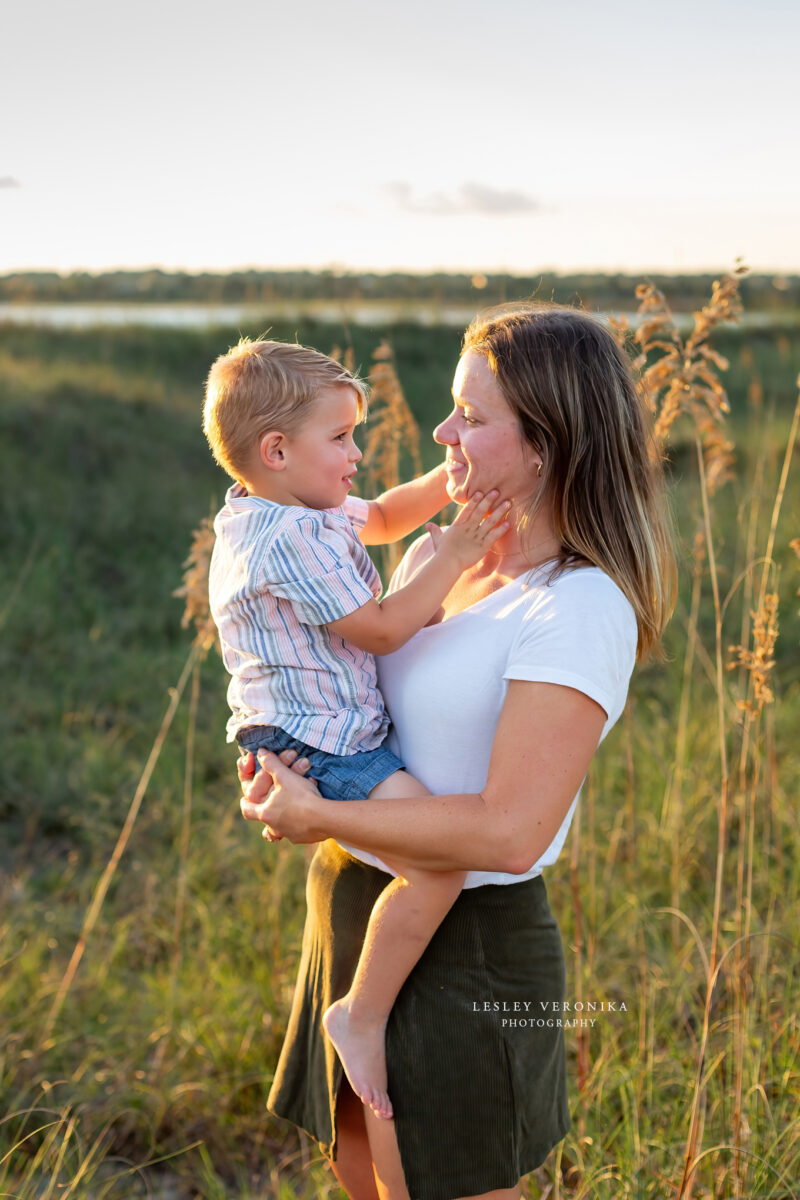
{"x": 445, "y": 688}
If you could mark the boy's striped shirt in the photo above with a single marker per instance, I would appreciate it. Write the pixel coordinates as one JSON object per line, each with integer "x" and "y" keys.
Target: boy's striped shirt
{"x": 279, "y": 574}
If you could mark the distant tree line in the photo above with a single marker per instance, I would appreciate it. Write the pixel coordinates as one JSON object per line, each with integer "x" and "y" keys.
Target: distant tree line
{"x": 605, "y": 291}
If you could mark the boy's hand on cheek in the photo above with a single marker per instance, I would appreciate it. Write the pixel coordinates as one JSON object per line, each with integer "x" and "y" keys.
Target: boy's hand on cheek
{"x": 478, "y": 524}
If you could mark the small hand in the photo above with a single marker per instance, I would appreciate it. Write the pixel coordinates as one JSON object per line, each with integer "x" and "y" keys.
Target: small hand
{"x": 260, "y": 791}
{"x": 477, "y": 526}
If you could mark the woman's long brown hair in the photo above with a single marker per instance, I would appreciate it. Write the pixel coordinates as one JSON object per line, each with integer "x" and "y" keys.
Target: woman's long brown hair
{"x": 572, "y": 390}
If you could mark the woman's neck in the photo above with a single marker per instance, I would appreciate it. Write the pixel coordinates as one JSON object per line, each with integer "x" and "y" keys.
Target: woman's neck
{"x": 513, "y": 554}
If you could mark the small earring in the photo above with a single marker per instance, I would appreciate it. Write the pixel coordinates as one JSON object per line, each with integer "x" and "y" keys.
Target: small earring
{"x": 538, "y": 470}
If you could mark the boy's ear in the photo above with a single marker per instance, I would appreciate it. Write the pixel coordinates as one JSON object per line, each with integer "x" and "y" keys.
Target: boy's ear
{"x": 271, "y": 450}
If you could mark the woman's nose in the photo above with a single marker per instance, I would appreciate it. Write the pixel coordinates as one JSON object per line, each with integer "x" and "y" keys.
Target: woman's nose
{"x": 445, "y": 433}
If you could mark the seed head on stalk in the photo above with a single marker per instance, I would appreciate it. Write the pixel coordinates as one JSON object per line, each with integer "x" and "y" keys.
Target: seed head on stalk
{"x": 684, "y": 378}
{"x": 758, "y": 659}
{"x": 195, "y": 587}
{"x": 392, "y": 429}
{"x": 392, "y": 433}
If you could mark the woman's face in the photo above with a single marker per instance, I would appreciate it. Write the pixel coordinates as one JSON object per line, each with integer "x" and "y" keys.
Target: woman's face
{"x": 485, "y": 445}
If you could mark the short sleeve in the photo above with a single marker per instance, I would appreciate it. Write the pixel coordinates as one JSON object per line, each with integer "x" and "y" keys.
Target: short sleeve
{"x": 311, "y": 564}
{"x": 579, "y": 632}
{"x": 356, "y": 510}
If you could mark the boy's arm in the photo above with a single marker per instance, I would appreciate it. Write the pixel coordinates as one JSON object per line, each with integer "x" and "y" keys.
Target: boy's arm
{"x": 380, "y": 628}
{"x": 403, "y": 509}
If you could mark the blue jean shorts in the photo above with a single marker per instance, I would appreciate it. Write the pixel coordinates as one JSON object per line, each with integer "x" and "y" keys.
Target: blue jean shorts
{"x": 338, "y": 776}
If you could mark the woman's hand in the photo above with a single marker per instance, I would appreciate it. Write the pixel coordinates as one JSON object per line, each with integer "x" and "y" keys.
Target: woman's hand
{"x": 279, "y": 796}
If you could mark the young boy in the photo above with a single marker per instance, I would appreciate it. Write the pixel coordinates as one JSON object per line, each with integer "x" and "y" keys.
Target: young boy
{"x": 295, "y": 598}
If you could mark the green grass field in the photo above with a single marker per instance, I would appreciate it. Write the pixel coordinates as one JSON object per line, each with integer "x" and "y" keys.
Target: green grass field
{"x": 161, "y": 1049}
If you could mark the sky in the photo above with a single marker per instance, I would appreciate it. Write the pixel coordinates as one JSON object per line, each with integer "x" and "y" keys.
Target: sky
{"x": 428, "y": 134}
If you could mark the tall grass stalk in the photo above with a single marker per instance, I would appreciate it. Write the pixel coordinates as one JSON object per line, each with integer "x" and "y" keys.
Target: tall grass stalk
{"x": 753, "y": 705}
{"x": 104, "y": 882}
{"x": 672, "y": 810}
{"x": 183, "y": 865}
{"x": 698, "y": 1105}
{"x": 745, "y": 804}
{"x": 577, "y": 946}
{"x": 749, "y": 780}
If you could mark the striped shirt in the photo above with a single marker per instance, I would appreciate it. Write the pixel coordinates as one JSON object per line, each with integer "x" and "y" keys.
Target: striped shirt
{"x": 279, "y": 574}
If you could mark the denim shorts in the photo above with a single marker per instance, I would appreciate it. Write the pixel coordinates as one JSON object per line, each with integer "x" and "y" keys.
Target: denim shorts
{"x": 338, "y": 776}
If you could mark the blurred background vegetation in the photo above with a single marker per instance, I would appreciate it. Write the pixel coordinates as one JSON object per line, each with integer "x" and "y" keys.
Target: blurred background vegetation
{"x": 776, "y": 294}
{"x": 160, "y": 1050}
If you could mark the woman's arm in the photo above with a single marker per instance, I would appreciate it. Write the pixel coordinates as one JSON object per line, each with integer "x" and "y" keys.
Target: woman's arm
{"x": 544, "y": 743}
{"x": 403, "y": 509}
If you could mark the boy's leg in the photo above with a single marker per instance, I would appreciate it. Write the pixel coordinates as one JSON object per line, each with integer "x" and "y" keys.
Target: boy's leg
{"x": 403, "y": 921}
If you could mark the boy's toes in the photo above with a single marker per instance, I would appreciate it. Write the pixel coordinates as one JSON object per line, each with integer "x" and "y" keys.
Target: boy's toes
{"x": 378, "y": 1101}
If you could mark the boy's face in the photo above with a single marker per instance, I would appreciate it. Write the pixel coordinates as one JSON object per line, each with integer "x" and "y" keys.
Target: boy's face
{"x": 321, "y": 456}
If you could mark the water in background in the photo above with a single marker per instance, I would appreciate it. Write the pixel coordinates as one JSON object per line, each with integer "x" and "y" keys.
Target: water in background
{"x": 205, "y": 316}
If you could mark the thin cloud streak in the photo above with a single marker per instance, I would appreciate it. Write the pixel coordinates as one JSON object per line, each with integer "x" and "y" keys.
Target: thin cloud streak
{"x": 470, "y": 199}
{"x": 6, "y": 181}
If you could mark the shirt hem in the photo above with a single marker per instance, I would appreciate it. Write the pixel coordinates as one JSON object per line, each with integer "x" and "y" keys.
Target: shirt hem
{"x": 295, "y": 729}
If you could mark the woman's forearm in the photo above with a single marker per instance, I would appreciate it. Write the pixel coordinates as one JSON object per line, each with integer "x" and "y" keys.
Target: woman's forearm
{"x": 507, "y": 826}
{"x": 437, "y": 833}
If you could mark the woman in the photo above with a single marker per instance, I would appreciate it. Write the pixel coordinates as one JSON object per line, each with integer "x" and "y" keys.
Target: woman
{"x": 498, "y": 706}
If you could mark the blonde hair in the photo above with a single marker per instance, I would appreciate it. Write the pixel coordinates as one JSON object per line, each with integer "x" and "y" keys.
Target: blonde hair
{"x": 261, "y": 386}
{"x": 572, "y": 390}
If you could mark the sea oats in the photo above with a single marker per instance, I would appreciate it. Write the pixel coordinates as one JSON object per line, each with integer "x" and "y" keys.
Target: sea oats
{"x": 759, "y": 659}
{"x": 684, "y": 377}
{"x": 195, "y": 586}
{"x": 392, "y": 428}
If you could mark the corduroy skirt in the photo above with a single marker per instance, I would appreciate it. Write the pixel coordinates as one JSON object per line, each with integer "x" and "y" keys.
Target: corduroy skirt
{"x": 474, "y": 1044}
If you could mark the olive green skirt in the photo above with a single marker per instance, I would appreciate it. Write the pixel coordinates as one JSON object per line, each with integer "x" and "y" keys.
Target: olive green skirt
{"x": 474, "y": 1053}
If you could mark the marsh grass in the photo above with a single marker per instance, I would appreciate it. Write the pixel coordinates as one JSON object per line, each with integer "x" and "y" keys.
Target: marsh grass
{"x": 140, "y": 1067}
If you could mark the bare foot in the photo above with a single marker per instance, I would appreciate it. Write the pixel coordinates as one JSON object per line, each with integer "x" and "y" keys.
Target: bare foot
{"x": 361, "y": 1048}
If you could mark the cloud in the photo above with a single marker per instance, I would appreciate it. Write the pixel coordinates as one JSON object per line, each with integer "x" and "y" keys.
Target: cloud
{"x": 7, "y": 182}
{"x": 470, "y": 199}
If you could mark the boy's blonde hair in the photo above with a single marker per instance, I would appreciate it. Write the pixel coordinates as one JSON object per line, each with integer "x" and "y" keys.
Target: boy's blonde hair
{"x": 262, "y": 386}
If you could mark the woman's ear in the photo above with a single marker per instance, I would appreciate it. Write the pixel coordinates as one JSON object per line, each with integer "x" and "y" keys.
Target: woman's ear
{"x": 271, "y": 450}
